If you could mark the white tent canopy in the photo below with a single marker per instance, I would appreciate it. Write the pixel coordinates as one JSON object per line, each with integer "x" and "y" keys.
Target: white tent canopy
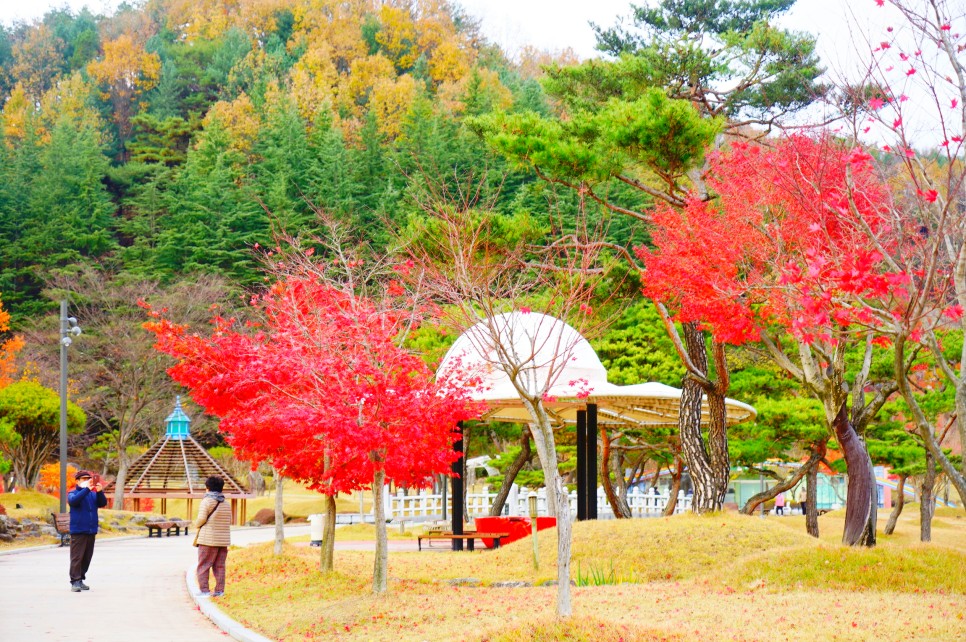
{"x": 553, "y": 357}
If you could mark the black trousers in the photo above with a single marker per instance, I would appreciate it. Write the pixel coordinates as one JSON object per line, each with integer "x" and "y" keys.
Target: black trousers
{"x": 81, "y": 552}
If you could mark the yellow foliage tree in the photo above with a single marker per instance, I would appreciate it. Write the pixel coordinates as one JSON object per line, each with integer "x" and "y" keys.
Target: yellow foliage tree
{"x": 71, "y": 100}
{"x": 126, "y": 70}
{"x": 37, "y": 60}
{"x": 390, "y": 100}
{"x": 335, "y": 22}
{"x": 363, "y": 76}
{"x": 239, "y": 118}
{"x": 313, "y": 80}
{"x": 397, "y": 34}
{"x": 16, "y": 114}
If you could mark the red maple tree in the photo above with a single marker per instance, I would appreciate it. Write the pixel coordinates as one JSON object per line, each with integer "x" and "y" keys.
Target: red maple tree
{"x": 321, "y": 388}
{"x": 790, "y": 252}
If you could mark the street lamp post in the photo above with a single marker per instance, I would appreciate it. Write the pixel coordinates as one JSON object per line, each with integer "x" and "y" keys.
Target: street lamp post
{"x": 68, "y": 329}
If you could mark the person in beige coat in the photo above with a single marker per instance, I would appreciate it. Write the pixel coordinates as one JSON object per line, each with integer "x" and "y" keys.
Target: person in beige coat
{"x": 213, "y": 536}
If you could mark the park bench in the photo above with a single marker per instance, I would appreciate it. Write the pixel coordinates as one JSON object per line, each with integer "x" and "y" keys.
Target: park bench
{"x": 167, "y": 526}
{"x": 62, "y": 526}
{"x": 468, "y": 537}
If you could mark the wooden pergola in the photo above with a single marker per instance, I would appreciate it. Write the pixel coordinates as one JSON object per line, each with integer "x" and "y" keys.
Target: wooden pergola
{"x": 176, "y": 467}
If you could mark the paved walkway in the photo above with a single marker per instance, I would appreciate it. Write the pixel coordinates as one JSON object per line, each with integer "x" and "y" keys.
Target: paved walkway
{"x": 137, "y": 592}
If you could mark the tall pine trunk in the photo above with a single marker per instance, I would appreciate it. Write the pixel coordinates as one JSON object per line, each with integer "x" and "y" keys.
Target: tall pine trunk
{"x": 708, "y": 496}
{"x": 862, "y": 500}
{"x": 890, "y": 526}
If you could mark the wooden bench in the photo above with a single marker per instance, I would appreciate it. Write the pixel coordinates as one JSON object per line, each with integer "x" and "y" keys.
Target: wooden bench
{"x": 171, "y": 525}
{"x": 62, "y": 526}
{"x": 468, "y": 537}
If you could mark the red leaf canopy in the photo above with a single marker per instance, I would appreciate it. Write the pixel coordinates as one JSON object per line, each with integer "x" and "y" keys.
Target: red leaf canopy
{"x": 795, "y": 238}
{"x": 321, "y": 389}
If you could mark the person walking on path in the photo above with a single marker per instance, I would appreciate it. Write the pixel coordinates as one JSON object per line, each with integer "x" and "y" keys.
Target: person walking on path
{"x": 780, "y": 504}
{"x": 213, "y": 536}
{"x": 84, "y": 501}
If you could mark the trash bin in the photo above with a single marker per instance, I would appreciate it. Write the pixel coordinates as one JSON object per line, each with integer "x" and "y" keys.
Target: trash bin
{"x": 315, "y": 529}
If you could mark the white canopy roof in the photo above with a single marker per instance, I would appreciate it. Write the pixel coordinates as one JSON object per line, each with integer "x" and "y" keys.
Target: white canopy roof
{"x": 552, "y": 356}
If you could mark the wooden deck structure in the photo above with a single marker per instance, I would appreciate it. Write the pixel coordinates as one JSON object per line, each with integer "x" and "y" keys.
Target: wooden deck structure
{"x": 176, "y": 467}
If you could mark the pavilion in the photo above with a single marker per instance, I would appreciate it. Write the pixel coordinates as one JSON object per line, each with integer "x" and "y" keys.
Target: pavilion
{"x": 552, "y": 352}
{"x": 176, "y": 467}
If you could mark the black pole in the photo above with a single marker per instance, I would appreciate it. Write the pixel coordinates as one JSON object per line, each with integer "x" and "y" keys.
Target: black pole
{"x": 581, "y": 466}
{"x": 591, "y": 478}
{"x": 456, "y": 489}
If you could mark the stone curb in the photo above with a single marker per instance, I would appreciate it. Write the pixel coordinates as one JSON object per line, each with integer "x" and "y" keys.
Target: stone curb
{"x": 217, "y": 616}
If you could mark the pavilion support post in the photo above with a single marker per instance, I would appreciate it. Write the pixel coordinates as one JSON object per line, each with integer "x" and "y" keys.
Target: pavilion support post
{"x": 190, "y": 503}
{"x": 137, "y": 505}
{"x": 581, "y": 465}
{"x": 164, "y": 505}
{"x": 456, "y": 488}
{"x": 590, "y": 474}
{"x": 234, "y": 511}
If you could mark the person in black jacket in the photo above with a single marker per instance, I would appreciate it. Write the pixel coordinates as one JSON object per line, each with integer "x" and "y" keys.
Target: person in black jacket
{"x": 84, "y": 501}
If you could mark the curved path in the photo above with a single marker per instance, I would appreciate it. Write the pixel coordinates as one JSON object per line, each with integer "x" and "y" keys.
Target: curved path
{"x": 137, "y": 592}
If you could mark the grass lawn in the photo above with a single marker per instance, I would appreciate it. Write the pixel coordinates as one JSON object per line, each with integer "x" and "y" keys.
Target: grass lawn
{"x": 722, "y": 577}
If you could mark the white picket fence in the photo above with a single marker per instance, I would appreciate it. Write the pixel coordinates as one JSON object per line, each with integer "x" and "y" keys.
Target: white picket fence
{"x": 429, "y": 506}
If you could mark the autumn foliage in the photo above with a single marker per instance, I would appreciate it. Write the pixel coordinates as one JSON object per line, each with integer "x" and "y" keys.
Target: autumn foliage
{"x": 320, "y": 388}
{"x": 797, "y": 238}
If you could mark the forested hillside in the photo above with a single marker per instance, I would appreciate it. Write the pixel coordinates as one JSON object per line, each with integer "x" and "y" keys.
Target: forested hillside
{"x": 171, "y": 139}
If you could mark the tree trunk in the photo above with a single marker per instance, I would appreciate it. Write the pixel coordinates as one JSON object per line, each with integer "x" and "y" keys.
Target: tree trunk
{"x": 672, "y": 496}
{"x": 279, "y": 512}
{"x": 511, "y": 473}
{"x": 811, "y": 502}
{"x": 617, "y": 500}
{"x": 861, "y": 503}
{"x": 564, "y": 527}
{"x": 927, "y": 499}
{"x": 557, "y": 498}
{"x": 786, "y": 484}
{"x": 380, "y": 570}
{"x": 327, "y": 550}
{"x": 706, "y": 496}
{"x": 119, "y": 482}
{"x": 897, "y": 509}
{"x": 718, "y": 444}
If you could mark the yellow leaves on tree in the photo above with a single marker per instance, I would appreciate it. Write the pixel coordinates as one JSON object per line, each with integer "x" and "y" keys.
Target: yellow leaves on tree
{"x": 209, "y": 19}
{"x": 397, "y": 35}
{"x": 126, "y": 66}
{"x": 313, "y": 80}
{"x": 37, "y": 60}
{"x": 390, "y": 101}
{"x": 69, "y": 100}
{"x": 450, "y": 54}
{"x": 16, "y": 114}
{"x": 239, "y": 119}
{"x": 335, "y": 22}
{"x": 363, "y": 76}
{"x": 127, "y": 70}
{"x": 8, "y": 349}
